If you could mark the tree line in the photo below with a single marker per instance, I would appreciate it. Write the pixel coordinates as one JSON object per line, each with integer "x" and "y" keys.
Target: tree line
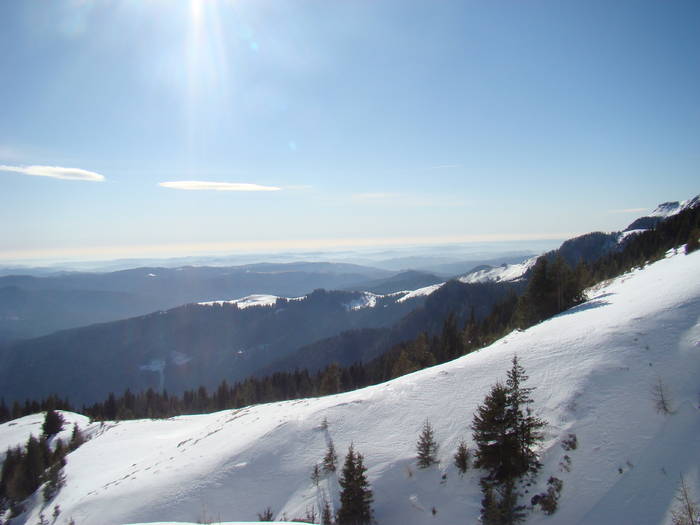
{"x": 39, "y": 462}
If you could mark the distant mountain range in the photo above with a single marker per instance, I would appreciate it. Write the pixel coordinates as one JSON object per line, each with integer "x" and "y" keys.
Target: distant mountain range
{"x": 239, "y": 321}
{"x": 34, "y": 306}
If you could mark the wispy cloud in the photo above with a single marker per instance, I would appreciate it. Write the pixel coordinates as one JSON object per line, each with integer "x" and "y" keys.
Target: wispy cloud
{"x": 628, "y": 210}
{"x": 203, "y": 185}
{"x": 56, "y": 172}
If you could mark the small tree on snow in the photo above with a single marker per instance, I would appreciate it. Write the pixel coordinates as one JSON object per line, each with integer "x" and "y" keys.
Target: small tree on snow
{"x": 662, "y": 401}
{"x": 426, "y": 447}
{"x": 356, "y": 495}
{"x": 265, "y": 515}
{"x": 686, "y": 511}
{"x": 326, "y": 513}
{"x": 506, "y": 433}
{"x": 462, "y": 457}
{"x": 316, "y": 474}
{"x": 330, "y": 460}
{"x": 76, "y": 438}
{"x": 53, "y": 423}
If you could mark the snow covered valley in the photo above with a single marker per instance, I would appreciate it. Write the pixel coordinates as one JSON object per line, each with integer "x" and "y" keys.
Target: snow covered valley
{"x": 596, "y": 369}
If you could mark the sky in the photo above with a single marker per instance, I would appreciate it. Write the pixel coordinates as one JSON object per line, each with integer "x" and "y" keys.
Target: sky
{"x": 170, "y": 127}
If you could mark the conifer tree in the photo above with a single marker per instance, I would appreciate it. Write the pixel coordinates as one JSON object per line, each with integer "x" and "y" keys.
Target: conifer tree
{"x": 53, "y": 423}
{"x": 491, "y": 434}
{"x": 266, "y": 515}
{"x": 316, "y": 474}
{"x": 76, "y": 438}
{"x": 461, "y": 457}
{"x": 356, "y": 495}
{"x": 526, "y": 428}
{"x": 326, "y": 514}
{"x": 505, "y": 433}
{"x": 686, "y": 510}
{"x": 426, "y": 447}
{"x": 693, "y": 242}
{"x": 5, "y": 413}
{"x": 330, "y": 460}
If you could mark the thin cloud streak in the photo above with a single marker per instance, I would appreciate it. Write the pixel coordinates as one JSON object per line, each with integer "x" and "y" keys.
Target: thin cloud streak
{"x": 56, "y": 172}
{"x": 203, "y": 185}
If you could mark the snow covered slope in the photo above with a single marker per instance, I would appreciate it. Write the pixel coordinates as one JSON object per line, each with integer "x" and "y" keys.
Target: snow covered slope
{"x": 17, "y": 432}
{"x": 505, "y": 272}
{"x": 668, "y": 209}
{"x": 594, "y": 368}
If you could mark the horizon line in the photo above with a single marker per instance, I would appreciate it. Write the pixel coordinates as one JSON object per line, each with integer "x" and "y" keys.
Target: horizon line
{"x": 175, "y": 250}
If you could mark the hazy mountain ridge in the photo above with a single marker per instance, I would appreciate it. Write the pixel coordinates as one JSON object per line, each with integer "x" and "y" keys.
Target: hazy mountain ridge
{"x": 33, "y": 306}
{"x": 184, "y": 347}
{"x": 195, "y": 345}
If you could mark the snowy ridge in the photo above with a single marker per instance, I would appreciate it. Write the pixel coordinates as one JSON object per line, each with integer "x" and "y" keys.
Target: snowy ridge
{"x": 593, "y": 367}
{"x": 366, "y": 300}
{"x": 506, "y": 272}
{"x": 668, "y": 209}
{"x": 420, "y": 292}
{"x": 252, "y": 300}
{"x": 17, "y": 432}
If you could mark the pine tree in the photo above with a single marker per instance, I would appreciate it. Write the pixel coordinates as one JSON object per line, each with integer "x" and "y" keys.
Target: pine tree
{"x": 526, "y": 428}
{"x": 491, "y": 434}
{"x": 53, "y": 423}
{"x": 330, "y": 380}
{"x": 266, "y": 515}
{"x": 55, "y": 480}
{"x": 356, "y": 495}
{"x": 426, "y": 447}
{"x": 76, "y": 438}
{"x": 686, "y": 511}
{"x": 326, "y": 514}
{"x": 505, "y": 433}
{"x": 316, "y": 474}
{"x": 461, "y": 457}
{"x": 330, "y": 460}
{"x": 5, "y": 413}
{"x": 693, "y": 242}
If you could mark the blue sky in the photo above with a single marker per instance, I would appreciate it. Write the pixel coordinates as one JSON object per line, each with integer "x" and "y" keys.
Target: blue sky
{"x": 366, "y": 121}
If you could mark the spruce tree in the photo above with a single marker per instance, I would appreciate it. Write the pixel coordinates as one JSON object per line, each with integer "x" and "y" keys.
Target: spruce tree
{"x": 316, "y": 474}
{"x": 491, "y": 434}
{"x": 461, "y": 457}
{"x": 505, "y": 433}
{"x": 686, "y": 511}
{"x": 76, "y": 438}
{"x": 53, "y": 423}
{"x": 326, "y": 514}
{"x": 330, "y": 460}
{"x": 526, "y": 428}
{"x": 693, "y": 242}
{"x": 426, "y": 447}
{"x": 356, "y": 495}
